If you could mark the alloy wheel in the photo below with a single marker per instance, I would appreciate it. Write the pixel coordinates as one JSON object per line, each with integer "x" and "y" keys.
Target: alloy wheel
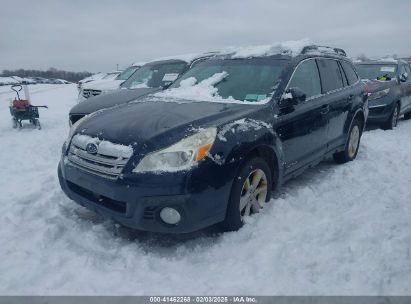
{"x": 395, "y": 115}
{"x": 354, "y": 141}
{"x": 253, "y": 193}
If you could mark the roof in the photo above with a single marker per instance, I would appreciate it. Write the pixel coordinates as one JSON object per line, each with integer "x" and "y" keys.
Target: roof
{"x": 378, "y": 61}
{"x": 184, "y": 57}
{"x": 291, "y": 48}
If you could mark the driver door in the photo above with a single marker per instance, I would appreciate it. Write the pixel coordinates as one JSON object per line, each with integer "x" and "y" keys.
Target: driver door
{"x": 303, "y": 127}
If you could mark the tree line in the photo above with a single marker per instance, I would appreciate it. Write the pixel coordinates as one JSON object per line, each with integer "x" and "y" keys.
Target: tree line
{"x": 50, "y": 73}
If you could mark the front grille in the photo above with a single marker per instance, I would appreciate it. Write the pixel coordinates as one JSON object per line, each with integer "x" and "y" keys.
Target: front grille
{"x": 108, "y": 162}
{"x": 75, "y": 117}
{"x": 98, "y": 199}
{"x": 87, "y": 93}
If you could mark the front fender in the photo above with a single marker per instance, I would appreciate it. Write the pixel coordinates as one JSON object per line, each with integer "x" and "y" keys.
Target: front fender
{"x": 238, "y": 140}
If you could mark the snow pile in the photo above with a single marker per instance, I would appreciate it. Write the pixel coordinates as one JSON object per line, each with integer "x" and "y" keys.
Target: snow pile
{"x": 292, "y": 48}
{"x": 335, "y": 230}
{"x": 191, "y": 90}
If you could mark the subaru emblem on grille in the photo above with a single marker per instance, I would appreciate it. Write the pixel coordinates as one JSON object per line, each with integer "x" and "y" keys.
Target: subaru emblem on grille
{"x": 91, "y": 148}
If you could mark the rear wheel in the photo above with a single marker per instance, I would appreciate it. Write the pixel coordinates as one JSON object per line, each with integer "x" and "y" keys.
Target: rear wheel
{"x": 352, "y": 145}
{"x": 393, "y": 120}
{"x": 251, "y": 190}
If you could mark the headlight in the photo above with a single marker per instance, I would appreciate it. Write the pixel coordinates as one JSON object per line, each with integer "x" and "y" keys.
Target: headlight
{"x": 379, "y": 94}
{"x": 73, "y": 129}
{"x": 180, "y": 156}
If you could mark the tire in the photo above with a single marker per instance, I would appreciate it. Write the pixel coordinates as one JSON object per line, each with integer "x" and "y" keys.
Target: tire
{"x": 14, "y": 123}
{"x": 407, "y": 116}
{"x": 352, "y": 145}
{"x": 394, "y": 117}
{"x": 253, "y": 198}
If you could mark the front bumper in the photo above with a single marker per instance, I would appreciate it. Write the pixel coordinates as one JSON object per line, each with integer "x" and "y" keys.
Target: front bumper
{"x": 380, "y": 110}
{"x": 201, "y": 197}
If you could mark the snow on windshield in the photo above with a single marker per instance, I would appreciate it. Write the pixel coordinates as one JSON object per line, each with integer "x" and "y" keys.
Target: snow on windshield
{"x": 203, "y": 91}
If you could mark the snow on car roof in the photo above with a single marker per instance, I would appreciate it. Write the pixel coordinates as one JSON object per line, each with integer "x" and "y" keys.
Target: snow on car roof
{"x": 138, "y": 64}
{"x": 184, "y": 57}
{"x": 292, "y": 48}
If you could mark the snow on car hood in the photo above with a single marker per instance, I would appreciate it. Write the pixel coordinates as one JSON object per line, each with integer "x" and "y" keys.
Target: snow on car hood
{"x": 157, "y": 123}
{"x": 103, "y": 85}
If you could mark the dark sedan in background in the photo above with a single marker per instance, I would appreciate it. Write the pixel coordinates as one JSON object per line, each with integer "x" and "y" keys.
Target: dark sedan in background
{"x": 389, "y": 87}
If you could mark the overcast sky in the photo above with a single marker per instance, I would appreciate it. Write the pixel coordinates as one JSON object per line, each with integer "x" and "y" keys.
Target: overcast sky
{"x": 95, "y": 35}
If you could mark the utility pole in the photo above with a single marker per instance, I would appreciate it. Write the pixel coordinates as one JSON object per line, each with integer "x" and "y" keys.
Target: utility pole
{"x": 117, "y": 67}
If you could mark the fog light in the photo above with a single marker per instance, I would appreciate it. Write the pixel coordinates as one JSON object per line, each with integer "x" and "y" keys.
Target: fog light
{"x": 170, "y": 215}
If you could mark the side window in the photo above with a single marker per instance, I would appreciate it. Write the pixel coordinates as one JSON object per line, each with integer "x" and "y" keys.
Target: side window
{"x": 405, "y": 69}
{"x": 344, "y": 77}
{"x": 352, "y": 76}
{"x": 331, "y": 78}
{"x": 307, "y": 78}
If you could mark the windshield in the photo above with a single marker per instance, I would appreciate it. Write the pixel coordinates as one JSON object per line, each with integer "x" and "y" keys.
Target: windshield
{"x": 127, "y": 73}
{"x": 154, "y": 76}
{"x": 377, "y": 71}
{"x": 235, "y": 79}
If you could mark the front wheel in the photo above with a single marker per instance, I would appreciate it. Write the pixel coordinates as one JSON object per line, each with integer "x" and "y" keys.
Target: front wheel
{"x": 393, "y": 120}
{"x": 250, "y": 191}
{"x": 352, "y": 145}
{"x": 407, "y": 116}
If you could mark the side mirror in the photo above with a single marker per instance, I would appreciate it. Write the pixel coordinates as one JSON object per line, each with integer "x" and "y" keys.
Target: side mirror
{"x": 292, "y": 97}
{"x": 404, "y": 77}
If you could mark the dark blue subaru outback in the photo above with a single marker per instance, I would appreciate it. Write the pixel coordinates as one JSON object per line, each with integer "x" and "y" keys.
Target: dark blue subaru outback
{"x": 212, "y": 147}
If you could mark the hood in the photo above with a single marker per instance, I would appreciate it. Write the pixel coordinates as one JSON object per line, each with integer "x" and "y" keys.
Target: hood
{"x": 103, "y": 85}
{"x": 110, "y": 99}
{"x": 377, "y": 85}
{"x": 156, "y": 124}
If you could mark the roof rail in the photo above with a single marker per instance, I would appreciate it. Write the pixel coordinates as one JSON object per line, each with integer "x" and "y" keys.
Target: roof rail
{"x": 323, "y": 49}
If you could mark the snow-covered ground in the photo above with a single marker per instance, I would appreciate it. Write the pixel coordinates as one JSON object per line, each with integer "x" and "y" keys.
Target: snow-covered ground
{"x": 337, "y": 229}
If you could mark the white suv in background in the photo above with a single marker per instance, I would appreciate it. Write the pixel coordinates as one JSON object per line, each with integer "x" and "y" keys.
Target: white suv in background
{"x": 110, "y": 82}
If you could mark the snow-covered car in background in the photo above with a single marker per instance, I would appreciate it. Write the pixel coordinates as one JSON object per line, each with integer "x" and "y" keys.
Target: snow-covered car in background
{"x": 93, "y": 77}
{"x": 24, "y": 80}
{"x": 107, "y": 83}
{"x": 8, "y": 80}
{"x": 150, "y": 78}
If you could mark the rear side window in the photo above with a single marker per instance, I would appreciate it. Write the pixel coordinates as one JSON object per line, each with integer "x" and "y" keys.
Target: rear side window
{"x": 331, "y": 78}
{"x": 306, "y": 78}
{"x": 349, "y": 72}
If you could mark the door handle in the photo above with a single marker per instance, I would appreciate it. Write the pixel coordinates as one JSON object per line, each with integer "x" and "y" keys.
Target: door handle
{"x": 325, "y": 109}
{"x": 350, "y": 97}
